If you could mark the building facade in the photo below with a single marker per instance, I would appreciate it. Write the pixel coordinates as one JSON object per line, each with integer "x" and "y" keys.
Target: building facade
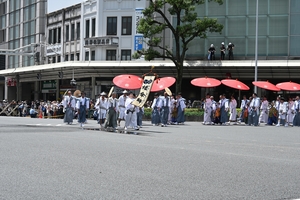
{"x": 278, "y": 29}
{"x": 22, "y": 24}
{"x": 96, "y": 40}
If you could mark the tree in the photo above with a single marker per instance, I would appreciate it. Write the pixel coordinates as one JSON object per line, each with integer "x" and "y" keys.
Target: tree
{"x": 187, "y": 27}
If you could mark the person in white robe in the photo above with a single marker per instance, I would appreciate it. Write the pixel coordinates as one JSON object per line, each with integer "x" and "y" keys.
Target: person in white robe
{"x": 263, "y": 117}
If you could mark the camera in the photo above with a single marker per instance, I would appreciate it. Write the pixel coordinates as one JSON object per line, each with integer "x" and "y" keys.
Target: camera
{"x": 73, "y": 82}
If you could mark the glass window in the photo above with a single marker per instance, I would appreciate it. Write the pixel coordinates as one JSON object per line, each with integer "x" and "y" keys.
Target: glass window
{"x": 3, "y": 22}
{"x": 93, "y": 27}
{"x": 72, "y": 57}
{"x": 78, "y": 30}
{"x": 111, "y": 54}
{"x": 111, "y": 26}
{"x": 72, "y": 32}
{"x": 87, "y": 28}
{"x": 126, "y": 25}
{"x": 58, "y": 58}
{"x": 77, "y": 56}
{"x": 54, "y": 36}
{"x": 67, "y": 33}
{"x": 125, "y": 54}
{"x": 87, "y": 55}
{"x": 59, "y": 35}
{"x": 93, "y": 55}
{"x": 50, "y": 41}
{"x": 66, "y": 57}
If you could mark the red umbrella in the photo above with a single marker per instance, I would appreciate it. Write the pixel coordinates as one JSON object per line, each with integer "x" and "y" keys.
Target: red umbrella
{"x": 205, "y": 82}
{"x": 235, "y": 84}
{"x": 266, "y": 85}
{"x": 162, "y": 83}
{"x": 291, "y": 86}
{"x": 128, "y": 81}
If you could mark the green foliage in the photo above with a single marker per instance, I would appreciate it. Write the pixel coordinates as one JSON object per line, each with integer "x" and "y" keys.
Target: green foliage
{"x": 187, "y": 26}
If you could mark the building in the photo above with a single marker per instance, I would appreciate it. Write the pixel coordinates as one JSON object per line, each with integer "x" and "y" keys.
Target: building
{"x": 22, "y": 27}
{"x": 62, "y": 45}
{"x": 108, "y": 38}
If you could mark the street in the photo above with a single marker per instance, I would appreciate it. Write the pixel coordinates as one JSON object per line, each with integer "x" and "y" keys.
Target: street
{"x": 46, "y": 159}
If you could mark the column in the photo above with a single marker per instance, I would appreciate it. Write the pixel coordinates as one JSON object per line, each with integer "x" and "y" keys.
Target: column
{"x": 36, "y": 90}
{"x": 93, "y": 87}
{"x": 57, "y": 90}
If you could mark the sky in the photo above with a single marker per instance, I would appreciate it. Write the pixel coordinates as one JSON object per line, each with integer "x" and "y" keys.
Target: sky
{"x": 54, "y": 5}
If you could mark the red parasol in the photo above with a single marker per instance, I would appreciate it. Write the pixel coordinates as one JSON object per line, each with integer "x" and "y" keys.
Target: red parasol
{"x": 162, "y": 83}
{"x": 290, "y": 86}
{"x": 266, "y": 85}
{"x": 205, "y": 82}
{"x": 128, "y": 81}
{"x": 235, "y": 84}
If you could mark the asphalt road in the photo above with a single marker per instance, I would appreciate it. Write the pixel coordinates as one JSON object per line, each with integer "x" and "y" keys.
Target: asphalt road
{"x": 45, "y": 159}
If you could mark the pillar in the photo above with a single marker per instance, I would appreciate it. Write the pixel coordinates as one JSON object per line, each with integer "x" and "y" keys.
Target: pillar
{"x": 57, "y": 90}
{"x": 36, "y": 90}
{"x": 93, "y": 87}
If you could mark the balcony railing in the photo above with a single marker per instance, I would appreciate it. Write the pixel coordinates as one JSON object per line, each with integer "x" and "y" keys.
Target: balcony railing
{"x": 101, "y": 41}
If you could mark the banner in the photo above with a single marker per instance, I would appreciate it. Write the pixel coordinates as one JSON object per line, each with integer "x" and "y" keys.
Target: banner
{"x": 144, "y": 92}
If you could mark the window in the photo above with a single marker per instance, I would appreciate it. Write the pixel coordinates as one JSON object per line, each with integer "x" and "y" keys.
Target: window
{"x": 111, "y": 54}
{"x": 67, "y": 33}
{"x": 125, "y": 54}
{"x": 59, "y": 35}
{"x": 87, "y": 55}
{"x": 93, "y": 27}
{"x": 87, "y": 28}
{"x": 77, "y": 56}
{"x": 72, "y": 57}
{"x": 126, "y": 25}
{"x": 58, "y": 58}
{"x": 67, "y": 58}
{"x": 93, "y": 55}
{"x": 111, "y": 26}
{"x": 2, "y": 36}
{"x": 78, "y": 31}
{"x": 54, "y": 35}
{"x": 72, "y": 32}
{"x": 54, "y": 59}
{"x": 50, "y": 37}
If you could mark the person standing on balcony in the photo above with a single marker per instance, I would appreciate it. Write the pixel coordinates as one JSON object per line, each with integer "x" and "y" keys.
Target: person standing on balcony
{"x": 230, "y": 51}
{"x": 223, "y": 51}
{"x": 211, "y": 52}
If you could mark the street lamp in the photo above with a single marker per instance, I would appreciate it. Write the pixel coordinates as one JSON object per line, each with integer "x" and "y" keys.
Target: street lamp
{"x": 256, "y": 44}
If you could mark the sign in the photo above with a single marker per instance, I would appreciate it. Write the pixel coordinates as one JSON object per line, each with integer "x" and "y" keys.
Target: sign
{"x": 144, "y": 92}
{"x": 49, "y": 85}
{"x": 138, "y": 42}
{"x": 53, "y": 50}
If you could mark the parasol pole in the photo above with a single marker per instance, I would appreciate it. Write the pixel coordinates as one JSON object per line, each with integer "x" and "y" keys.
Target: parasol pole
{"x": 256, "y": 44}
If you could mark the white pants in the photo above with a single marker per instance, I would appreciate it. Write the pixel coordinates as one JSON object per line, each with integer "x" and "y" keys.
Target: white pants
{"x": 130, "y": 119}
{"x": 263, "y": 117}
{"x": 121, "y": 113}
{"x": 102, "y": 114}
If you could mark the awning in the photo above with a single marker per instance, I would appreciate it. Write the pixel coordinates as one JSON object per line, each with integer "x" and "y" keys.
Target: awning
{"x": 240, "y": 69}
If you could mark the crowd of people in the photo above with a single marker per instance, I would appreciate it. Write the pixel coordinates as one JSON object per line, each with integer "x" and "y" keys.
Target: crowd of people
{"x": 165, "y": 110}
{"x": 254, "y": 111}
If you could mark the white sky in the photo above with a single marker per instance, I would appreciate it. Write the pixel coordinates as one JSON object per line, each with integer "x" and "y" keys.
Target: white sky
{"x": 54, "y": 5}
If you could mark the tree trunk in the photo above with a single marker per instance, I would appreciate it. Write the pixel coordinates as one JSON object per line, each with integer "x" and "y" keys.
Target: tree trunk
{"x": 179, "y": 78}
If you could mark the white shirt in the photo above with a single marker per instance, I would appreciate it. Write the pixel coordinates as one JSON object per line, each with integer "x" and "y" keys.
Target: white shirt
{"x": 156, "y": 103}
{"x": 69, "y": 101}
{"x": 82, "y": 101}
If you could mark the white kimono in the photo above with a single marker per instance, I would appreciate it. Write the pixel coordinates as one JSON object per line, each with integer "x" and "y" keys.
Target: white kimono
{"x": 207, "y": 110}
{"x": 121, "y": 106}
{"x": 290, "y": 112}
{"x": 263, "y": 117}
{"x": 232, "y": 107}
{"x": 102, "y": 106}
{"x": 130, "y": 113}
